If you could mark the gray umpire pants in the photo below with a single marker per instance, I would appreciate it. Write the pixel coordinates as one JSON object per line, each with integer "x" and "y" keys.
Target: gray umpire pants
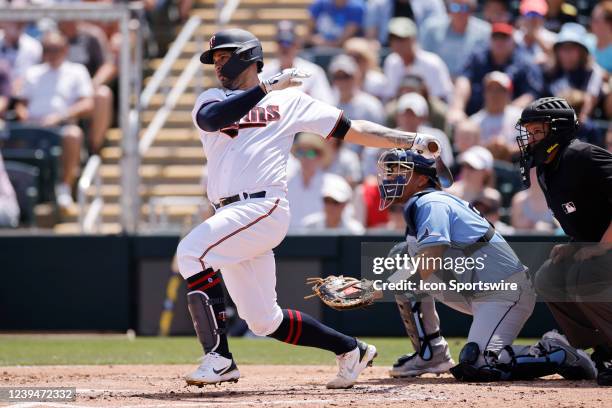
{"x": 579, "y": 295}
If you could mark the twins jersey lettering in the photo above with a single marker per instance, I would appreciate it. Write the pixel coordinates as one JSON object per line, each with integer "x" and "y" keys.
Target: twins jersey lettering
{"x": 252, "y": 154}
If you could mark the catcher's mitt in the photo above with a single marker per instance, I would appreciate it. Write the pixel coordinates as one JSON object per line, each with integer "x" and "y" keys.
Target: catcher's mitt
{"x": 343, "y": 293}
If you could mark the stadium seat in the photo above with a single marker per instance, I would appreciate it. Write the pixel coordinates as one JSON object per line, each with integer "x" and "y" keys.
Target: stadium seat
{"x": 24, "y": 179}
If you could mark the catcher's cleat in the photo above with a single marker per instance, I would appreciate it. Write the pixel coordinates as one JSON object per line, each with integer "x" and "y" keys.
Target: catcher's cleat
{"x": 214, "y": 369}
{"x": 351, "y": 364}
{"x": 577, "y": 364}
{"x": 412, "y": 365}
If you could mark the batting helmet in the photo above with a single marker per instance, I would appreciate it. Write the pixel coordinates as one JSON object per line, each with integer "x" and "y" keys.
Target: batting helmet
{"x": 562, "y": 122}
{"x": 246, "y": 50}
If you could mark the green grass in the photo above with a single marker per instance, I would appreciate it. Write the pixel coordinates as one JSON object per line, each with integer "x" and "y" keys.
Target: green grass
{"x": 116, "y": 349}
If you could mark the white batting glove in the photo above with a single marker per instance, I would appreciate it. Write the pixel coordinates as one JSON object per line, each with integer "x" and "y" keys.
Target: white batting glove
{"x": 288, "y": 78}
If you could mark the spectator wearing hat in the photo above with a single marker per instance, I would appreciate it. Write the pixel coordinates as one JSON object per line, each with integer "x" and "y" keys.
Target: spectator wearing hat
{"x": 498, "y": 117}
{"x": 306, "y": 181}
{"x": 532, "y": 36}
{"x": 379, "y": 12}
{"x": 333, "y": 22}
{"x": 574, "y": 68}
{"x": 501, "y": 55}
{"x": 475, "y": 174}
{"x": 55, "y": 95}
{"x": 559, "y": 13}
{"x": 289, "y": 46}
{"x": 357, "y": 104}
{"x": 366, "y": 54}
{"x": 9, "y": 208}
{"x": 451, "y": 37}
{"x": 411, "y": 116}
{"x": 601, "y": 26}
{"x": 408, "y": 58}
{"x": 529, "y": 211}
{"x": 337, "y": 194}
{"x": 415, "y": 83}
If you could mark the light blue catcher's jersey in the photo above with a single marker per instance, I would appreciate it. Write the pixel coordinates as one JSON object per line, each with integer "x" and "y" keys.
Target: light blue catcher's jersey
{"x": 439, "y": 218}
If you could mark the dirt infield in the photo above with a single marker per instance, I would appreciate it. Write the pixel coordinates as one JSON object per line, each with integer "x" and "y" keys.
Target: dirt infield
{"x": 150, "y": 386}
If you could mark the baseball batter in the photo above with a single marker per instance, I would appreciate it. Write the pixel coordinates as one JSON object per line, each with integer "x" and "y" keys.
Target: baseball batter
{"x": 247, "y": 129}
{"x": 442, "y": 226}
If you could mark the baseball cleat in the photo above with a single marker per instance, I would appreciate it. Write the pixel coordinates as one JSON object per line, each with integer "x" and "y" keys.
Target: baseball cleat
{"x": 412, "y": 365}
{"x": 214, "y": 369}
{"x": 577, "y": 364}
{"x": 351, "y": 364}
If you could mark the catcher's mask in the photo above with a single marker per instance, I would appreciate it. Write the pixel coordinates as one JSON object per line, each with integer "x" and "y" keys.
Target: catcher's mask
{"x": 245, "y": 47}
{"x": 562, "y": 126}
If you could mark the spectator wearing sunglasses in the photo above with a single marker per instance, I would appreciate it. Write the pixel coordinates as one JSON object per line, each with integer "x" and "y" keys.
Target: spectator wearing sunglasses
{"x": 337, "y": 194}
{"x": 451, "y": 37}
{"x": 532, "y": 36}
{"x": 306, "y": 181}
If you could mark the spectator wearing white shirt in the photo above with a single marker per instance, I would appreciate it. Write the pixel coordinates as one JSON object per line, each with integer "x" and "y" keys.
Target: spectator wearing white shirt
{"x": 55, "y": 94}
{"x": 408, "y": 58}
{"x": 337, "y": 193}
{"x": 498, "y": 117}
{"x": 366, "y": 54}
{"x": 306, "y": 182}
{"x": 289, "y": 46}
{"x": 19, "y": 50}
{"x": 356, "y": 103}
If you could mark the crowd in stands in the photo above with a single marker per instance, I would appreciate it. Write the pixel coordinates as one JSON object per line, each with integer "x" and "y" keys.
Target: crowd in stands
{"x": 61, "y": 76}
{"x": 460, "y": 70}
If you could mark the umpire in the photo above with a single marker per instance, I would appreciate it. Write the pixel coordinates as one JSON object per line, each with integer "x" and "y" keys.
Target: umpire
{"x": 576, "y": 178}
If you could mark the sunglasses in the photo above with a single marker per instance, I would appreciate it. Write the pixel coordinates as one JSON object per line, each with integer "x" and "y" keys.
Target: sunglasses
{"x": 533, "y": 15}
{"x": 459, "y": 8}
{"x": 307, "y": 153}
{"x": 342, "y": 77}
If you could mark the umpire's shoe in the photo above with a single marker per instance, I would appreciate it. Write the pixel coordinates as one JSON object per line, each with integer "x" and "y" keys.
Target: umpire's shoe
{"x": 412, "y": 365}
{"x": 602, "y": 357}
{"x": 577, "y": 364}
{"x": 214, "y": 369}
{"x": 351, "y": 364}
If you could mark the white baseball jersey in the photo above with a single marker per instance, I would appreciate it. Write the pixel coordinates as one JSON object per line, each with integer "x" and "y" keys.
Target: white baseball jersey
{"x": 252, "y": 155}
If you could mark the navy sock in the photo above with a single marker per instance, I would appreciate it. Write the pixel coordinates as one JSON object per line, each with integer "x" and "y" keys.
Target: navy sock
{"x": 302, "y": 329}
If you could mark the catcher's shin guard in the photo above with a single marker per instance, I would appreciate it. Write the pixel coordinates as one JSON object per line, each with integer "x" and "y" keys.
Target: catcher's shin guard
{"x": 206, "y": 303}
{"x": 412, "y": 316}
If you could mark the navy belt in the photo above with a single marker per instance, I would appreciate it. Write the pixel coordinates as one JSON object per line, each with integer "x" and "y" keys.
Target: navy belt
{"x": 232, "y": 199}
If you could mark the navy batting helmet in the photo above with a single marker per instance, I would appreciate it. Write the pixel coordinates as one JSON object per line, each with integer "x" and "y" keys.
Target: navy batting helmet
{"x": 246, "y": 50}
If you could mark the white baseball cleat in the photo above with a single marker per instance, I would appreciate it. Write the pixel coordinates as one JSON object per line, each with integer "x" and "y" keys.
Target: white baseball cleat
{"x": 214, "y": 369}
{"x": 412, "y": 365}
{"x": 351, "y": 364}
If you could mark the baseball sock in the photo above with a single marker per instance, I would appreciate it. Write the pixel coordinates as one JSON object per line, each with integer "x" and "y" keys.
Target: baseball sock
{"x": 302, "y": 329}
{"x": 206, "y": 302}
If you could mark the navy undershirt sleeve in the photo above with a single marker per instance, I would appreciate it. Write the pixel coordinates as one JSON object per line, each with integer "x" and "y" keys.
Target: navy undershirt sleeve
{"x": 217, "y": 115}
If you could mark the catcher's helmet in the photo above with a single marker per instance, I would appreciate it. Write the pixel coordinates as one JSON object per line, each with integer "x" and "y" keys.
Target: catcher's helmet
{"x": 396, "y": 166}
{"x": 562, "y": 122}
{"x": 247, "y": 50}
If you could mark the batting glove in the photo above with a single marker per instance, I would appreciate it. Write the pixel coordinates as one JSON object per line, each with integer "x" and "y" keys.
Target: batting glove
{"x": 288, "y": 78}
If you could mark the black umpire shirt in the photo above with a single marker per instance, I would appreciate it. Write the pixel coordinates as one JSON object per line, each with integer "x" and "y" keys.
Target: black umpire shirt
{"x": 578, "y": 189}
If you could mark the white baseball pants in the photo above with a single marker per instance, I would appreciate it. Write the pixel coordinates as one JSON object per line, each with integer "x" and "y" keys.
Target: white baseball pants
{"x": 238, "y": 240}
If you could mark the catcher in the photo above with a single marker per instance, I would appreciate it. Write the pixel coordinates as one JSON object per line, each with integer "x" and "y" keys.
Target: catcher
{"x": 440, "y": 225}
